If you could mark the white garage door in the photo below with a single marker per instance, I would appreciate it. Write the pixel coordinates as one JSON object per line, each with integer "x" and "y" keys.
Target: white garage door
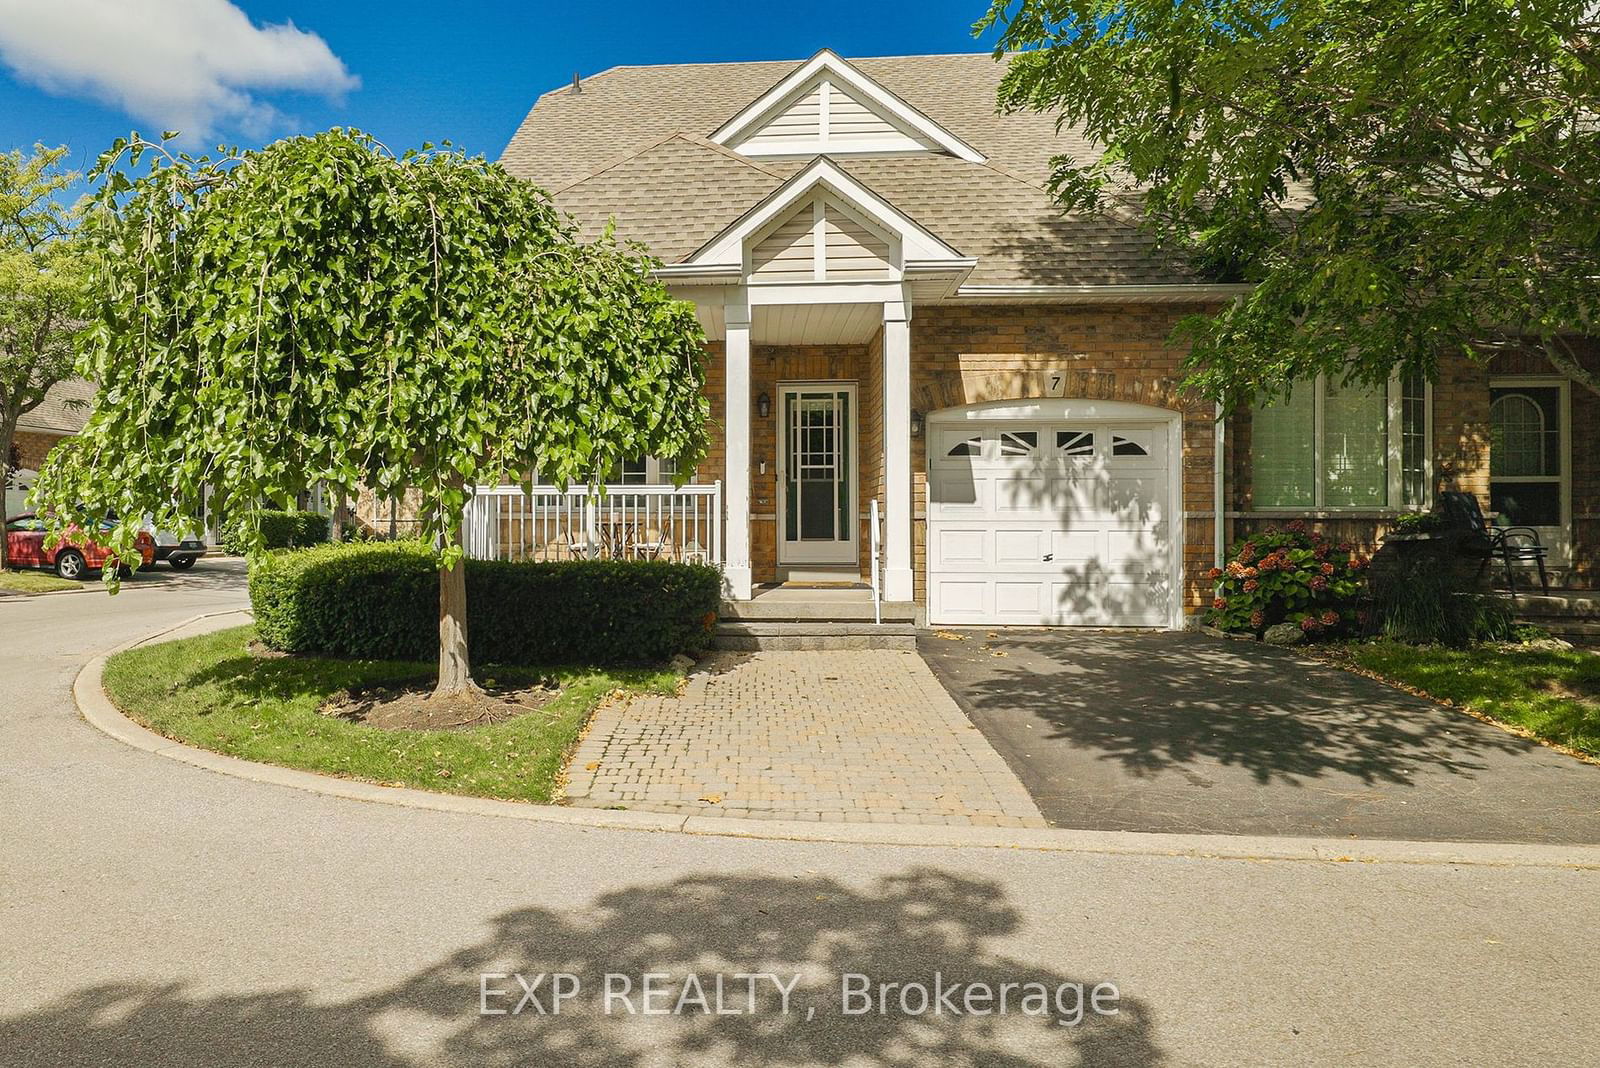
{"x": 1057, "y": 523}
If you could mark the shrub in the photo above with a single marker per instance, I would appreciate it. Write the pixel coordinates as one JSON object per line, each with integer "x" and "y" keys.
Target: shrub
{"x": 1294, "y": 576}
{"x": 1425, "y": 599}
{"x": 279, "y": 530}
{"x": 381, "y": 600}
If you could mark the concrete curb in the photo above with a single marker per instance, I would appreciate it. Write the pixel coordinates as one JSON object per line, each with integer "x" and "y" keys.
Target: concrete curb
{"x": 97, "y": 709}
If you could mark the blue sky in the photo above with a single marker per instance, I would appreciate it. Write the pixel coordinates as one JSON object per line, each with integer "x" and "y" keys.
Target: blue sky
{"x": 82, "y": 72}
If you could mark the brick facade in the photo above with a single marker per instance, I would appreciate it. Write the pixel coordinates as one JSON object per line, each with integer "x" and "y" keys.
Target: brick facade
{"x": 964, "y": 355}
{"x": 32, "y": 447}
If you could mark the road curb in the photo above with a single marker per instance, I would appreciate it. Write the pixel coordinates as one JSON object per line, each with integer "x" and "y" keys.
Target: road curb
{"x": 97, "y": 709}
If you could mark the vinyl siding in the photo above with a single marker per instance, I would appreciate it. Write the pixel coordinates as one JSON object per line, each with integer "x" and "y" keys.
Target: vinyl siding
{"x": 800, "y": 121}
{"x": 853, "y": 251}
{"x": 787, "y": 254}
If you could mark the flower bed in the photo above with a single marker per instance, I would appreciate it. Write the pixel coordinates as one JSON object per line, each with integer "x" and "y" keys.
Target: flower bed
{"x": 1294, "y": 576}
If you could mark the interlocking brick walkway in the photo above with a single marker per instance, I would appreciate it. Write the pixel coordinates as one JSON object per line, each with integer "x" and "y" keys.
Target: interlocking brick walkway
{"x": 859, "y": 736}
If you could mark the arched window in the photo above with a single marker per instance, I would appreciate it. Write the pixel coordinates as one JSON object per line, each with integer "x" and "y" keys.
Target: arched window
{"x": 1518, "y": 425}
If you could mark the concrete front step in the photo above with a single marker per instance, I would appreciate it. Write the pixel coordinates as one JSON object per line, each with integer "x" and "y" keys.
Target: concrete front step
{"x": 775, "y": 610}
{"x": 749, "y": 635}
{"x": 1571, "y": 604}
{"x": 1573, "y": 630}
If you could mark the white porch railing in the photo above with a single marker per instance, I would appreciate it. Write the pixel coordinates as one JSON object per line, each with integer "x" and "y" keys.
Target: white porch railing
{"x": 874, "y": 541}
{"x": 678, "y": 523}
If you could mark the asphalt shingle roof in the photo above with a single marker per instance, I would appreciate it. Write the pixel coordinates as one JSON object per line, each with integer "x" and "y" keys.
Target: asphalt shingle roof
{"x": 632, "y": 144}
{"x": 64, "y": 409}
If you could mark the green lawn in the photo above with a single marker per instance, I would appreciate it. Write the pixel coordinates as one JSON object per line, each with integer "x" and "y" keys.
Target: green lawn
{"x": 209, "y": 692}
{"x": 1553, "y": 694}
{"x": 35, "y": 582}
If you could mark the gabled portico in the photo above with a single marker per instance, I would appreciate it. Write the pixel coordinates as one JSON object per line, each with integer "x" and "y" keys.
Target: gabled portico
{"x": 822, "y": 261}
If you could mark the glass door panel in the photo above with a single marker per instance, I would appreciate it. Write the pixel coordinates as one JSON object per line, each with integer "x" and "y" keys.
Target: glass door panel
{"x": 818, "y": 492}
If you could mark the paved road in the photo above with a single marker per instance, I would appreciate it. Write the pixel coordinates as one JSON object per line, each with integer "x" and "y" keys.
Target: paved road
{"x": 154, "y": 913}
{"x": 1139, "y": 731}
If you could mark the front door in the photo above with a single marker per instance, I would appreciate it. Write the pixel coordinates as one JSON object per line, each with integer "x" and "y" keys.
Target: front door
{"x": 1529, "y": 460}
{"x": 816, "y": 474}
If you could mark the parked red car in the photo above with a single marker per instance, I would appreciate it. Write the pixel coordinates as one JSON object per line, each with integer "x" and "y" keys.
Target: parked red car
{"x": 74, "y": 558}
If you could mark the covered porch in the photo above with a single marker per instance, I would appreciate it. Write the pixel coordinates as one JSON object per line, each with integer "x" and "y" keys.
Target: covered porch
{"x": 816, "y": 450}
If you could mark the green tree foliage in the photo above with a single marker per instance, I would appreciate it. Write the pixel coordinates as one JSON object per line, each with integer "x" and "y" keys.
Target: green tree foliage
{"x": 42, "y": 273}
{"x": 1402, "y": 178}
{"x": 322, "y": 310}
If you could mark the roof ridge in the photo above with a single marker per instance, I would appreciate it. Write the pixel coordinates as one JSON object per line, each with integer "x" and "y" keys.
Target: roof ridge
{"x": 706, "y": 142}
{"x": 585, "y": 79}
{"x": 795, "y": 61}
{"x": 676, "y": 135}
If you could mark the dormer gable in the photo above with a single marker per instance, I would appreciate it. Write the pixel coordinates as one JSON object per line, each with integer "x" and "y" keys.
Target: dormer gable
{"x": 827, "y": 107}
{"x": 824, "y": 225}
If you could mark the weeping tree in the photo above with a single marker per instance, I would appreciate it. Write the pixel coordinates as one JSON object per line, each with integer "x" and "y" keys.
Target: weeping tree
{"x": 1400, "y": 178}
{"x": 324, "y": 311}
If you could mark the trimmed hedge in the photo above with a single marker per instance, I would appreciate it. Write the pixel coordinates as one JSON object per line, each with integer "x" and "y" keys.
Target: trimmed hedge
{"x": 280, "y": 530}
{"x": 380, "y": 600}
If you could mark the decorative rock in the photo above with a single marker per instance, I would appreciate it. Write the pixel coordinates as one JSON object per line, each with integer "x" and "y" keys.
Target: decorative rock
{"x": 1283, "y": 634}
{"x": 681, "y": 663}
{"x": 1231, "y": 635}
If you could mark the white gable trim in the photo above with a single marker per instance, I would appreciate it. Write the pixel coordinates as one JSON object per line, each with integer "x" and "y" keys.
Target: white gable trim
{"x": 918, "y": 248}
{"x": 837, "y": 72}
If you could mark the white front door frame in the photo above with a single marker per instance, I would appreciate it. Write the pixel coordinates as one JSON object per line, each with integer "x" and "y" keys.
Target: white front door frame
{"x": 1557, "y": 539}
{"x": 800, "y": 552}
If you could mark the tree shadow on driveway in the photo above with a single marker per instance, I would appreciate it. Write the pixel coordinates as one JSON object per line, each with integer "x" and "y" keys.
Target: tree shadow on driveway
{"x": 1178, "y": 732}
{"x": 900, "y": 929}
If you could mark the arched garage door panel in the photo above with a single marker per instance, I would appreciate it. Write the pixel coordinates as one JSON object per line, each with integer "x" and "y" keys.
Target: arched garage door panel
{"x": 1056, "y": 523}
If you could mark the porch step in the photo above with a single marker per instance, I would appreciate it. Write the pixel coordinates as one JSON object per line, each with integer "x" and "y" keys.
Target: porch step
{"x": 1570, "y": 604}
{"x": 769, "y": 609}
{"x": 749, "y": 635}
{"x": 1577, "y": 632}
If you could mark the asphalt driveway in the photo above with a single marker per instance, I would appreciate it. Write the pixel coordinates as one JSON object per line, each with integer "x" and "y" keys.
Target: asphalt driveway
{"x": 1141, "y": 731}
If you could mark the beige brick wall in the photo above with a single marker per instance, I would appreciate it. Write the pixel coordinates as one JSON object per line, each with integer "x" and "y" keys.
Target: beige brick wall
{"x": 32, "y": 447}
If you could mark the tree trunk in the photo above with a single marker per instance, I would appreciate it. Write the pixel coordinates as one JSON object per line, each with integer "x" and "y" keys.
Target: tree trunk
{"x": 455, "y": 674}
{"x": 8, "y": 431}
{"x": 338, "y": 518}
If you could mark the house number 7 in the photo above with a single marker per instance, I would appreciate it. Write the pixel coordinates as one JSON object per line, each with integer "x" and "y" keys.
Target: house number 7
{"x": 1055, "y": 383}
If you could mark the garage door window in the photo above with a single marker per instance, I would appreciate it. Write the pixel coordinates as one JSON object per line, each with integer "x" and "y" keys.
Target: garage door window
{"x": 1121, "y": 446}
{"x": 1335, "y": 446}
{"x": 1075, "y": 442}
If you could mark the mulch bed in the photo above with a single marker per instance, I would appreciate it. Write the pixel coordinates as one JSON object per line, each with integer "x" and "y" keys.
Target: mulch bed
{"x": 414, "y": 708}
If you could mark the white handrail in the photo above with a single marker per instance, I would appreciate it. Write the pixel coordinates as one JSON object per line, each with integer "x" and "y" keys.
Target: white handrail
{"x": 872, "y": 564}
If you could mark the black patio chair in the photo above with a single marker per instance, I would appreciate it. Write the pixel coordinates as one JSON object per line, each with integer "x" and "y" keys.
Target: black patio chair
{"x": 1509, "y": 545}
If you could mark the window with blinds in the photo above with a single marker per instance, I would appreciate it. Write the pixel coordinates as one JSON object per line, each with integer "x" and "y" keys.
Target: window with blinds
{"x": 1329, "y": 445}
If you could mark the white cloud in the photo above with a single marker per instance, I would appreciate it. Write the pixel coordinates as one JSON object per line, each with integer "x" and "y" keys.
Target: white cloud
{"x": 197, "y": 66}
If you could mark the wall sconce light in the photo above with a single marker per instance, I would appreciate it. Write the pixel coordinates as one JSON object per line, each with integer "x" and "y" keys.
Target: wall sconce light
{"x": 916, "y": 424}
{"x": 763, "y": 406}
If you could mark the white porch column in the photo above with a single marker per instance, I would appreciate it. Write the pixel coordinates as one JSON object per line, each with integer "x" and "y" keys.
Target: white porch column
{"x": 736, "y": 425}
{"x": 897, "y": 579}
